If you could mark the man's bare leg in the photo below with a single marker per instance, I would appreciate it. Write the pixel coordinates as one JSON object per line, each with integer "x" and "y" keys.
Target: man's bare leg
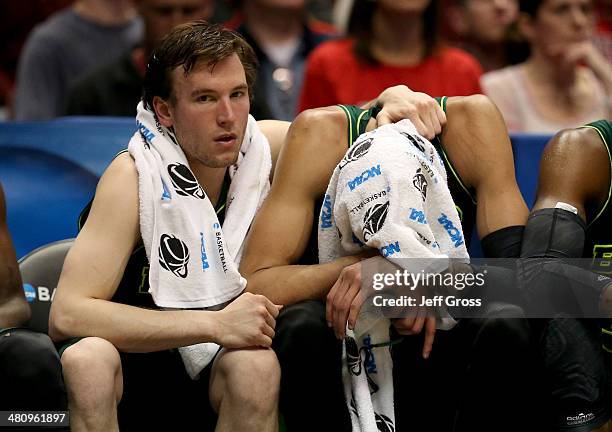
{"x": 94, "y": 383}
{"x": 244, "y": 388}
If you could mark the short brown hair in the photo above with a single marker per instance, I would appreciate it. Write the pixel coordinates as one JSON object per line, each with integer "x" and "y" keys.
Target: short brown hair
{"x": 187, "y": 44}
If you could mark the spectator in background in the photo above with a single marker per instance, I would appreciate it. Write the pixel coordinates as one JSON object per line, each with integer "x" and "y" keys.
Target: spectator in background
{"x": 30, "y": 370}
{"x": 68, "y": 45}
{"x": 603, "y": 36}
{"x": 565, "y": 82}
{"x": 484, "y": 28}
{"x": 282, "y": 35}
{"x": 390, "y": 43}
{"x": 16, "y": 22}
{"x": 115, "y": 89}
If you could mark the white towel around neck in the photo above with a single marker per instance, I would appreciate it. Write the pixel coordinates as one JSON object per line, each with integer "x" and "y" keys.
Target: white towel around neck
{"x": 193, "y": 262}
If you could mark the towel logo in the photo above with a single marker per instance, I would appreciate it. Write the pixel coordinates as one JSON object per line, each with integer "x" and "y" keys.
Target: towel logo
{"x": 417, "y": 216}
{"x": 415, "y": 141}
{"x": 173, "y": 255}
{"x": 420, "y": 183}
{"x": 369, "y": 199}
{"x": 217, "y": 227}
{"x": 353, "y": 357}
{"x": 383, "y": 423}
{"x": 390, "y": 249}
{"x": 203, "y": 255}
{"x": 374, "y": 219}
{"x": 146, "y": 134}
{"x": 355, "y": 152}
{"x": 364, "y": 177}
{"x": 326, "y": 212}
{"x": 453, "y": 232}
{"x": 184, "y": 181}
{"x": 425, "y": 240}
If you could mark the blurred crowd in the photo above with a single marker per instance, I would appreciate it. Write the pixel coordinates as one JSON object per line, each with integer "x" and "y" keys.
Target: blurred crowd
{"x": 546, "y": 64}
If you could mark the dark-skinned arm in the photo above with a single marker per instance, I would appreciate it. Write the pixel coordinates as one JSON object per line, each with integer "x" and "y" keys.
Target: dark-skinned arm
{"x": 14, "y": 310}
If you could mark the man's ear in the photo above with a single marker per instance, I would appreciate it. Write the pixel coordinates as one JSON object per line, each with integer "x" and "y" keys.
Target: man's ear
{"x": 162, "y": 110}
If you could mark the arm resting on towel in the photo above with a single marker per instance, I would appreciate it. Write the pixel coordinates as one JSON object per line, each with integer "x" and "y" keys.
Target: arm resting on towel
{"x": 316, "y": 141}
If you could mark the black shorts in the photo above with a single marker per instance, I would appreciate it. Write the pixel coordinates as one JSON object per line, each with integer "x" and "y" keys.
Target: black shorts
{"x": 30, "y": 374}
{"x": 158, "y": 394}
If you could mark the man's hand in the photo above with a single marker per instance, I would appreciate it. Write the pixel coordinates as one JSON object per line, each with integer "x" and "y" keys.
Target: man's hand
{"x": 348, "y": 294}
{"x": 247, "y": 321}
{"x": 422, "y": 110}
{"x": 414, "y": 325}
{"x": 345, "y": 298}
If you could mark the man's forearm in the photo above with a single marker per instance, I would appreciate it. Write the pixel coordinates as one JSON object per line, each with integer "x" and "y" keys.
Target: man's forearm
{"x": 290, "y": 284}
{"x": 130, "y": 328}
{"x": 14, "y": 312}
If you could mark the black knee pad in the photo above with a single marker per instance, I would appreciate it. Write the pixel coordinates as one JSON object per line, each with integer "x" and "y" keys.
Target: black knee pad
{"x": 503, "y": 243}
{"x": 503, "y": 326}
{"x": 576, "y": 373}
{"x": 301, "y": 328}
{"x": 553, "y": 232}
{"x": 30, "y": 371}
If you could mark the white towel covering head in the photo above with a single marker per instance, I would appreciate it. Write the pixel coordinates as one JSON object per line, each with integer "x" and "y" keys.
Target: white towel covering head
{"x": 389, "y": 192}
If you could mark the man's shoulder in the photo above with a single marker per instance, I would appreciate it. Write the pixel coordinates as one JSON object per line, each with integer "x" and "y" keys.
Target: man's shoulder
{"x": 322, "y": 120}
{"x": 474, "y": 105}
{"x": 121, "y": 176}
{"x": 321, "y": 133}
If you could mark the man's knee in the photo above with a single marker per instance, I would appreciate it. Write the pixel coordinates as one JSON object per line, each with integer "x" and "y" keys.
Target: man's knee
{"x": 506, "y": 324}
{"x": 252, "y": 377}
{"x": 301, "y": 325}
{"x": 33, "y": 372}
{"x": 94, "y": 363}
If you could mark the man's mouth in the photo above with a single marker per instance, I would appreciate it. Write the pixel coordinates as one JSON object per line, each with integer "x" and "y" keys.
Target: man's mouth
{"x": 226, "y": 138}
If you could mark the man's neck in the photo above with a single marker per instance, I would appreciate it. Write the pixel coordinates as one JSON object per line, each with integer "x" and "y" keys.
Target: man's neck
{"x": 106, "y": 12}
{"x": 398, "y": 39}
{"x": 270, "y": 25}
{"x": 211, "y": 179}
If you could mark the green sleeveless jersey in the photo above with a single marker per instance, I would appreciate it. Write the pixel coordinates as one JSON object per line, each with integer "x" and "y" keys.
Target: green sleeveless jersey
{"x": 599, "y": 220}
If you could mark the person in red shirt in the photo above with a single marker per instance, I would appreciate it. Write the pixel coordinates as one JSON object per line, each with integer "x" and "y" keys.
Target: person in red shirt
{"x": 389, "y": 43}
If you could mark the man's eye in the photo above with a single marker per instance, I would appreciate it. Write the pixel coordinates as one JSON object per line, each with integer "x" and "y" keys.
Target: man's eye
{"x": 238, "y": 94}
{"x": 204, "y": 98}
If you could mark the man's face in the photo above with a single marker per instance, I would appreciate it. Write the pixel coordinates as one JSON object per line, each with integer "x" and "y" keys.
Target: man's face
{"x": 488, "y": 20}
{"x": 209, "y": 111}
{"x": 161, "y": 16}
